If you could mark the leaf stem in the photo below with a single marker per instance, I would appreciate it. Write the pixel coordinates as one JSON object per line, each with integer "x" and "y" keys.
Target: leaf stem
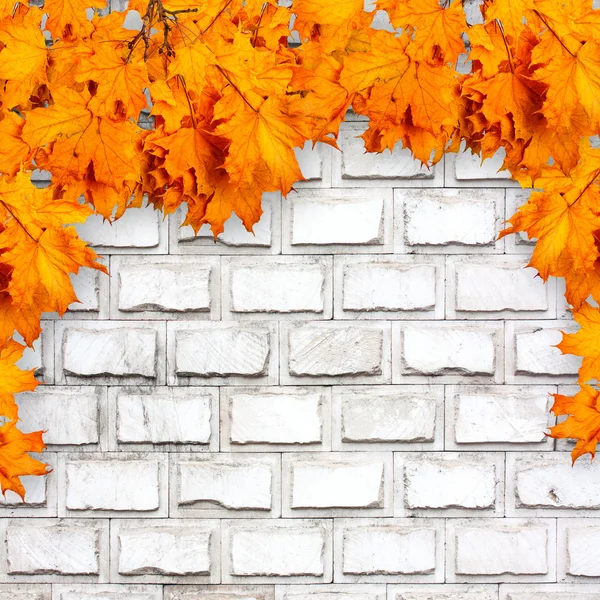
{"x": 235, "y": 87}
{"x": 187, "y": 96}
{"x": 553, "y": 32}
{"x": 17, "y": 220}
{"x": 510, "y": 60}
{"x": 583, "y": 191}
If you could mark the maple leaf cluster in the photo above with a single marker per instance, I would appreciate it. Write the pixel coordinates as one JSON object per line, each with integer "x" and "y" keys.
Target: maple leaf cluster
{"x": 201, "y": 103}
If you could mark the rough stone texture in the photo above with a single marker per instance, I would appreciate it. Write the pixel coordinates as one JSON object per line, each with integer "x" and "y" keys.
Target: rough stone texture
{"x": 221, "y": 485}
{"x": 388, "y": 550}
{"x": 348, "y": 403}
{"x": 165, "y": 550}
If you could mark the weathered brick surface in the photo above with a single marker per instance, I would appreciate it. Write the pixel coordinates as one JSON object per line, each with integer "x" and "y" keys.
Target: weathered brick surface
{"x": 348, "y": 403}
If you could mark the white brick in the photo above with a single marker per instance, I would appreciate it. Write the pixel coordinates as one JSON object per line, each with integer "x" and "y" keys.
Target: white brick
{"x": 448, "y": 484}
{"x": 326, "y": 351}
{"x": 137, "y": 230}
{"x": 448, "y": 220}
{"x": 547, "y": 485}
{"x": 285, "y": 550}
{"x": 349, "y": 220}
{"x": 40, "y": 492}
{"x": 517, "y": 243}
{"x": 25, "y": 592}
{"x": 226, "y": 352}
{"x": 71, "y": 416}
{"x": 337, "y": 484}
{"x": 388, "y": 417}
{"x": 221, "y": 485}
{"x": 40, "y": 356}
{"x": 442, "y": 592}
{"x": 107, "y": 592}
{"x": 52, "y": 550}
{"x": 578, "y": 541}
{"x": 498, "y": 417}
{"x": 389, "y": 287}
{"x": 219, "y": 592}
{"x": 108, "y": 352}
{"x": 165, "y": 551}
{"x": 275, "y": 418}
{"x": 310, "y": 161}
{"x": 449, "y": 350}
{"x": 530, "y": 352}
{"x": 143, "y": 289}
{"x": 235, "y": 239}
{"x": 331, "y": 592}
{"x": 370, "y": 550}
{"x": 267, "y": 286}
{"x": 145, "y": 416}
{"x": 465, "y": 169}
{"x": 377, "y": 169}
{"x": 497, "y": 286}
{"x": 564, "y": 591}
{"x": 113, "y": 484}
{"x": 90, "y": 287}
{"x": 500, "y": 550}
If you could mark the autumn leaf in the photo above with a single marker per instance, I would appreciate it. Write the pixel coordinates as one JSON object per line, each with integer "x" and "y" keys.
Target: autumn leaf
{"x": 23, "y": 57}
{"x": 586, "y": 342}
{"x": 12, "y": 379}
{"x": 583, "y": 422}
{"x": 15, "y": 461}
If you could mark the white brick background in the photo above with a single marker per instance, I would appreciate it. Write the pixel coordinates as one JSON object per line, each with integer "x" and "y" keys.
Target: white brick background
{"x": 348, "y": 405}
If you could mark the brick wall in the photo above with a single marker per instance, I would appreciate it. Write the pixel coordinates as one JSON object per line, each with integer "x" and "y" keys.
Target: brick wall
{"x": 348, "y": 405}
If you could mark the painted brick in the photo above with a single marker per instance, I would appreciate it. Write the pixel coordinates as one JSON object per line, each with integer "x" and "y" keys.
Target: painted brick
{"x": 275, "y": 418}
{"x": 235, "y": 239}
{"x": 387, "y": 417}
{"x": 25, "y": 592}
{"x": 389, "y": 287}
{"x": 468, "y": 169}
{"x": 557, "y": 591}
{"x": 40, "y": 356}
{"x": 287, "y": 550}
{"x": 107, "y": 592}
{"x": 331, "y": 592}
{"x": 227, "y": 352}
{"x": 51, "y": 549}
{"x": 294, "y": 286}
{"x": 577, "y": 556}
{"x": 339, "y": 218}
{"x": 46, "y": 409}
{"x": 137, "y": 230}
{"x": 165, "y": 416}
{"x": 143, "y": 289}
{"x": 337, "y": 484}
{"x": 354, "y": 163}
{"x": 448, "y": 220}
{"x": 500, "y": 550}
{"x": 530, "y": 352}
{"x": 165, "y": 551}
{"x": 110, "y": 352}
{"x": 547, "y": 484}
{"x": 331, "y": 350}
{"x": 497, "y": 284}
{"x": 220, "y": 485}
{"x": 114, "y": 483}
{"x": 498, "y": 417}
{"x": 442, "y": 592}
{"x": 448, "y": 484}
{"x": 454, "y": 350}
{"x": 89, "y": 285}
{"x": 220, "y": 592}
{"x": 370, "y": 550}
